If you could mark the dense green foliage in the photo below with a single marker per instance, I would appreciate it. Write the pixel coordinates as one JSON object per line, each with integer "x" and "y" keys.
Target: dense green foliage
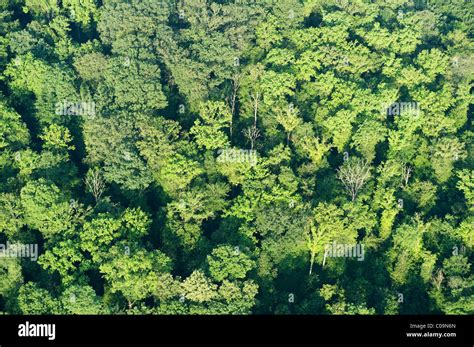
{"x": 198, "y": 156}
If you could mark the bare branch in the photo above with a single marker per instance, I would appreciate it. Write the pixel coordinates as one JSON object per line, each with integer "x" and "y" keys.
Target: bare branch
{"x": 353, "y": 174}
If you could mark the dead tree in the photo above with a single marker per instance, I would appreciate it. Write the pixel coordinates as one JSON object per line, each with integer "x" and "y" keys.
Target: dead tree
{"x": 353, "y": 174}
{"x": 252, "y": 134}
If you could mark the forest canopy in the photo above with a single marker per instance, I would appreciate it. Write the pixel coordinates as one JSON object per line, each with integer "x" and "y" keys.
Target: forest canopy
{"x": 236, "y": 157}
